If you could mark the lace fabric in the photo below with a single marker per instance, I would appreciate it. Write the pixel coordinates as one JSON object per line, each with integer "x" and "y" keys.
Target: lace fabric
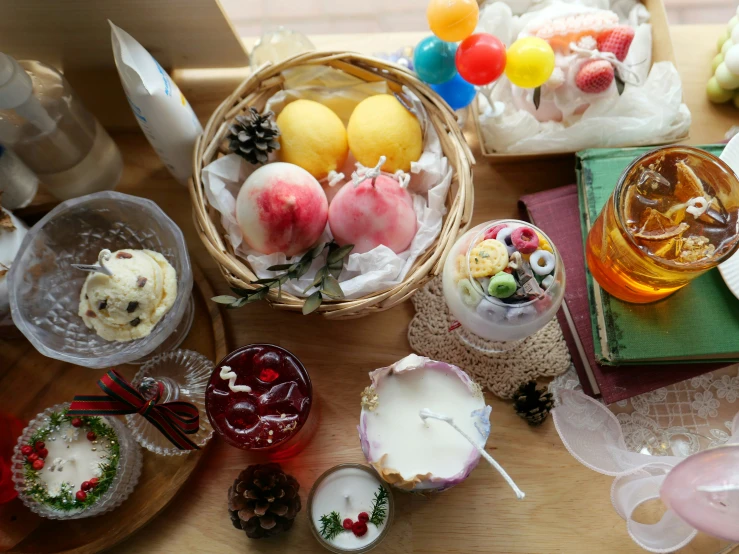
{"x": 638, "y": 441}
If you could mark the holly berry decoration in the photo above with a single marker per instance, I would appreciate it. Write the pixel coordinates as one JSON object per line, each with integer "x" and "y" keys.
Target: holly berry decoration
{"x": 76, "y": 422}
{"x": 81, "y": 496}
{"x": 264, "y": 501}
{"x": 532, "y": 404}
{"x": 91, "y": 436}
{"x": 26, "y": 450}
{"x": 38, "y": 465}
{"x": 347, "y": 524}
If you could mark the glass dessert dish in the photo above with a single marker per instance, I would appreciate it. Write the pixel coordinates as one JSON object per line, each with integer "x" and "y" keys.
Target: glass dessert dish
{"x": 503, "y": 281}
{"x": 184, "y": 375}
{"x": 70, "y": 468}
{"x": 45, "y": 288}
{"x": 260, "y": 398}
{"x": 673, "y": 215}
{"x": 350, "y": 491}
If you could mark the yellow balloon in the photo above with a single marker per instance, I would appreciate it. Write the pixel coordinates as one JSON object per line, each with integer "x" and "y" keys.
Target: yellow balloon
{"x": 529, "y": 62}
{"x": 452, "y": 20}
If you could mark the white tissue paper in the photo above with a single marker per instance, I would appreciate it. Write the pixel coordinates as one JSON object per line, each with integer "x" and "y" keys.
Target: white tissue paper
{"x": 649, "y": 112}
{"x": 363, "y": 274}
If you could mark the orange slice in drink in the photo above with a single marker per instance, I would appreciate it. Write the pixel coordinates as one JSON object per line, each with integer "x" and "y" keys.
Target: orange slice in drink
{"x": 657, "y": 226}
{"x": 688, "y": 184}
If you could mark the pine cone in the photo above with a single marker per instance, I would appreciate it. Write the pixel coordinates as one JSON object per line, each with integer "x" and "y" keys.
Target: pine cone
{"x": 263, "y": 501}
{"x": 253, "y": 136}
{"x": 532, "y": 404}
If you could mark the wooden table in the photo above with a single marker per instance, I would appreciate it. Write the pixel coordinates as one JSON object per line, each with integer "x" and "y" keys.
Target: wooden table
{"x": 567, "y": 508}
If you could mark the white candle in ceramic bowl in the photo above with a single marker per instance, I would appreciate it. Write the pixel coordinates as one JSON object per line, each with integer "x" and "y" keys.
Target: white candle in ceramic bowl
{"x": 416, "y": 454}
{"x": 68, "y": 467}
{"x": 350, "y": 509}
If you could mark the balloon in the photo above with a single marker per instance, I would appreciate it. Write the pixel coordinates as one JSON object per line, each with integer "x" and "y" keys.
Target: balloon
{"x": 481, "y": 58}
{"x": 452, "y": 20}
{"x": 457, "y": 92}
{"x": 703, "y": 490}
{"x": 433, "y": 60}
{"x": 530, "y": 62}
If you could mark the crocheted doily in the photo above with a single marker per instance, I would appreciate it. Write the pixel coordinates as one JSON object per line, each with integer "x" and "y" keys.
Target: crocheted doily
{"x": 544, "y": 354}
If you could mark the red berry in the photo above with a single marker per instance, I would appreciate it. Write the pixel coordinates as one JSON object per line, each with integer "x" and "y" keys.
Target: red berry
{"x": 363, "y": 517}
{"x": 594, "y": 76}
{"x": 93, "y": 482}
{"x": 616, "y": 40}
{"x": 76, "y": 422}
{"x": 86, "y": 485}
{"x": 493, "y": 231}
{"x": 26, "y": 450}
{"x": 91, "y": 436}
{"x": 39, "y": 445}
{"x": 32, "y": 457}
{"x": 347, "y": 524}
{"x": 43, "y": 453}
{"x": 81, "y": 496}
{"x": 359, "y": 528}
{"x": 38, "y": 464}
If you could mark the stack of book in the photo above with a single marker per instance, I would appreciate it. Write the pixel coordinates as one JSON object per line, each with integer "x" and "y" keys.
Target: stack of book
{"x": 619, "y": 349}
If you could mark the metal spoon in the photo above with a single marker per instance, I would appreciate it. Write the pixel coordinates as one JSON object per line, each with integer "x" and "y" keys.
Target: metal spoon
{"x": 98, "y": 267}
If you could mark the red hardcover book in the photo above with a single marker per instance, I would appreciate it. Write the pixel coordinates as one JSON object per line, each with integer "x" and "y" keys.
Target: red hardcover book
{"x": 557, "y": 213}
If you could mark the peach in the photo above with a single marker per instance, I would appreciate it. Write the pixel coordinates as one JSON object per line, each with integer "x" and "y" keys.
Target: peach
{"x": 281, "y": 208}
{"x": 373, "y": 213}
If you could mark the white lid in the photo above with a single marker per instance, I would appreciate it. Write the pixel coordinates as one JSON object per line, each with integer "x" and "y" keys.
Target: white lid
{"x": 15, "y": 83}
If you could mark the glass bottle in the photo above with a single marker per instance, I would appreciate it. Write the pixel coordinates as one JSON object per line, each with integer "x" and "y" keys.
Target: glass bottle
{"x": 48, "y": 128}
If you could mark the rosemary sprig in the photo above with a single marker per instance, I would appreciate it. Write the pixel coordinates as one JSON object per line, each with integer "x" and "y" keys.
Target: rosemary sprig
{"x": 326, "y": 281}
{"x": 331, "y": 525}
{"x": 379, "y": 506}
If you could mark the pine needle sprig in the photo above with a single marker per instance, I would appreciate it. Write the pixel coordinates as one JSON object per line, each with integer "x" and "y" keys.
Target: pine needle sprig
{"x": 379, "y": 506}
{"x": 331, "y": 526}
{"x": 326, "y": 281}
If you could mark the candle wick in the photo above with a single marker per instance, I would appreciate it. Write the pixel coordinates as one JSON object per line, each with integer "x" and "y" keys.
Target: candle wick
{"x": 426, "y": 414}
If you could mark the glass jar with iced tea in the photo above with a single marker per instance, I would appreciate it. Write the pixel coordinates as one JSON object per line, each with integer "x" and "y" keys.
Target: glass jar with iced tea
{"x": 671, "y": 217}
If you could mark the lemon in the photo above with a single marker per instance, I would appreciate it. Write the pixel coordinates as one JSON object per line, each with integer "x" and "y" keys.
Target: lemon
{"x": 381, "y": 126}
{"x": 312, "y": 137}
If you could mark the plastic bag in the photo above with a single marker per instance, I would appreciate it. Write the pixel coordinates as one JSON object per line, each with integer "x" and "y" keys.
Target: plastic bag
{"x": 163, "y": 112}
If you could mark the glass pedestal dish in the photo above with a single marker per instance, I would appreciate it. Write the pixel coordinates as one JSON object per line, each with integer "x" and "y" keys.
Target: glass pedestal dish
{"x": 184, "y": 375}
{"x": 44, "y": 288}
{"x": 491, "y": 324}
{"x": 37, "y": 494}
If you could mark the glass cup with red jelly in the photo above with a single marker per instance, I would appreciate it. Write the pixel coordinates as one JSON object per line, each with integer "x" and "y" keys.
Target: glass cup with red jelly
{"x": 259, "y": 398}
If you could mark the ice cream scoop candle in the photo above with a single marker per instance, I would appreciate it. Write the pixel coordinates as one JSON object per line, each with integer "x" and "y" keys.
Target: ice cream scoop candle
{"x": 131, "y": 293}
{"x": 67, "y": 467}
{"x": 373, "y": 210}
{"x": 12, "y": 232}
{"x": 281, "y": 208}
{"x": 350, "y": 509}
{"x": 408, "y": 451}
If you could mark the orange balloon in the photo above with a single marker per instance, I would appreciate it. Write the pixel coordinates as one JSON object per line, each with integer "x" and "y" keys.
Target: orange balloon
{"x": 452, "y": 20}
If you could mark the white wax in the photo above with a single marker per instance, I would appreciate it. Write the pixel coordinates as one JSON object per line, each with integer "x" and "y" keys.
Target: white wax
{"x": 410, "y": 446}
{"x": 348, "y": 491}
{"x": 71, "y": 459}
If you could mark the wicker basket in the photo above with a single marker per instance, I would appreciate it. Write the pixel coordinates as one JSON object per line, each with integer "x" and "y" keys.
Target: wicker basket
{"x": 255, "y": 91}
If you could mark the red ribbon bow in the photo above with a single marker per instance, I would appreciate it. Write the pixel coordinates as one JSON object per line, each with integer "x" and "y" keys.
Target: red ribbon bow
{"x": 175, "y": 420}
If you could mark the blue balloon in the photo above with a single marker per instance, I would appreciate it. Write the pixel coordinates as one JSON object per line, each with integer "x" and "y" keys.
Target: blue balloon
{"x": 457, "y": 92}
{"x": 433, "y": 60}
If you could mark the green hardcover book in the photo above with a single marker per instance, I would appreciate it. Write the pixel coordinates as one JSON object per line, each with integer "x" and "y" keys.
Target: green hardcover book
{"x": 697, "y": 323}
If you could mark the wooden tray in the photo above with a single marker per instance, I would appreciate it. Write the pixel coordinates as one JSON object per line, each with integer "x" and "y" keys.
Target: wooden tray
{"x": 53, "y": 382}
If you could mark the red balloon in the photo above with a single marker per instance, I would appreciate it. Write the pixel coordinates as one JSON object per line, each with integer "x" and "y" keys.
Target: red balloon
{"x": 481, "y": 58}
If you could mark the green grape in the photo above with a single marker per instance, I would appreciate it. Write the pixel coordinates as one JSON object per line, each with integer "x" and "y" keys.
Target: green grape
{"x": 716, "y": 94}
{"x": 718, "y": 58}
{"x": 722, "y": 39}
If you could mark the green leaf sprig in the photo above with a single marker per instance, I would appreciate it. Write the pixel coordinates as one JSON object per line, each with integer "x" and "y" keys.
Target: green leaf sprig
{"x": 326, "y": 282}
{"x": 331, "y": 525}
